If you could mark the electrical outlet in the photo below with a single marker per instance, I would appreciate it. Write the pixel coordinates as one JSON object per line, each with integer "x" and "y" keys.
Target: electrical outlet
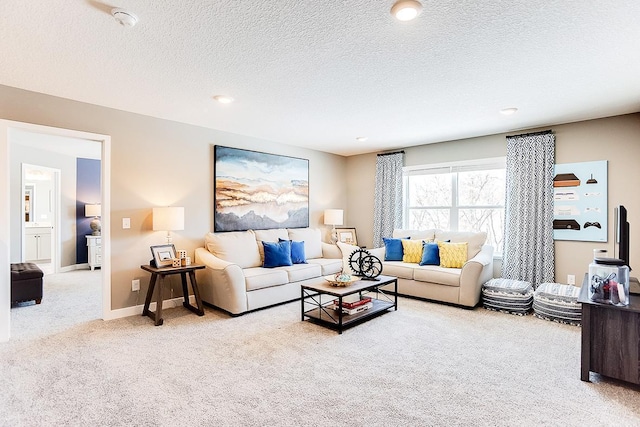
{"x": 571, "y": 279}
{"x": 135, "y": 285}
{"x": 126, "y": 223}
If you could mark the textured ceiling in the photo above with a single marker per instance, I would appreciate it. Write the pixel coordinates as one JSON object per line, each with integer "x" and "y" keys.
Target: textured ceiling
{"x": 318, "y": 74}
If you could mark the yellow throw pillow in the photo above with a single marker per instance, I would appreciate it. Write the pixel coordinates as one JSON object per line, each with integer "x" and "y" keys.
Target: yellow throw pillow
{"x": 412, "y": 250}
{"x": 452, "y": 255}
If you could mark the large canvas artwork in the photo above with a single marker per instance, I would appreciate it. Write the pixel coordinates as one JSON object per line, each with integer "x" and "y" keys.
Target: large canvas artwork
{"x": 256, "y": 190}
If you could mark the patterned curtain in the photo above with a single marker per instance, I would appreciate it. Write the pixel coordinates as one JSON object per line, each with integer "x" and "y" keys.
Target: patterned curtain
{"x": 387, "y": 213}
{"x": 528, "y": 250}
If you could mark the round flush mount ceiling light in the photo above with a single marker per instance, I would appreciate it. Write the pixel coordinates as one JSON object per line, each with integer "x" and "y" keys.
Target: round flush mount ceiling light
{"x": 406, "y": 10}
{"x": 361, "y": 138}
{"x": 124, "y": 17}
{"x": 223, "y": 99}
{"x": 508, "y": 111}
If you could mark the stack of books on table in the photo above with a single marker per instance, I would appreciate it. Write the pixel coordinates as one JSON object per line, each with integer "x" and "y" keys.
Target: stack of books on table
{"x": 353, "y": 307}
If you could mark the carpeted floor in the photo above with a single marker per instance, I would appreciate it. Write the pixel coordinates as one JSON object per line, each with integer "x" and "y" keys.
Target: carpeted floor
{"x": 426, "y": 364}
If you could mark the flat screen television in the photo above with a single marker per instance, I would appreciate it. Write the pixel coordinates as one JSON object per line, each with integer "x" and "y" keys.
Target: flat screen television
{"x": 622, "y": 235}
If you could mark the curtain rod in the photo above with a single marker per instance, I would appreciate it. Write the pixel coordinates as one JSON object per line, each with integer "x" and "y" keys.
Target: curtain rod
{"x": 544, "y": 132}
{"x": 389, "y": 154}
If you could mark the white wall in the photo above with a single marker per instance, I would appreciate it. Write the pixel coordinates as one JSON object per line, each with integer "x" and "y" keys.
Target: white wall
{"x": 616, "y": 139}
{"x": 157, "y": 162}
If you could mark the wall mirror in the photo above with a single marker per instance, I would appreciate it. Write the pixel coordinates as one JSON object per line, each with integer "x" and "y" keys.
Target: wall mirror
{"x": 29, "y": 192}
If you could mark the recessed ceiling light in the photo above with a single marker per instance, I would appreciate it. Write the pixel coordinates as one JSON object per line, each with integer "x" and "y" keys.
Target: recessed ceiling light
{"x": 406, "y": 10}
{"x": 508, "y": 111}
{"x": 361, "y": 138}
{"x": 124, "y": 17}
{"x": 223, "y": 99}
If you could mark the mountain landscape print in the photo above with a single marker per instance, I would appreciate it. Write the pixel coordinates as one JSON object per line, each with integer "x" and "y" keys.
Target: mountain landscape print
{"x": 256, "y": 190}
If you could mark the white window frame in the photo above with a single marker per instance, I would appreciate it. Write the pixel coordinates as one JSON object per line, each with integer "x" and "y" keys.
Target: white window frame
{"x": 453, "y": 168}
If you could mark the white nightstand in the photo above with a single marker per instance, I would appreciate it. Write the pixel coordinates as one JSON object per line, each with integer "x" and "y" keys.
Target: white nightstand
{"x": 94, "y": 244}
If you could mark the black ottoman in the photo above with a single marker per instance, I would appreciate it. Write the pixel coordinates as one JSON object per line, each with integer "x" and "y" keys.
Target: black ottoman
{"x": 26, "y": 282}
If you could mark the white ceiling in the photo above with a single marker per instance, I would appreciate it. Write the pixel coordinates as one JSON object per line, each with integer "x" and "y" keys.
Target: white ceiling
{"x": 318, "y": 74}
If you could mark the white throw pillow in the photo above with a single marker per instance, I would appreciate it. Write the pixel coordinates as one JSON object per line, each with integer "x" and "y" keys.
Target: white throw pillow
{"x": 347, "y": 250}
{"x": 238, "y": 247}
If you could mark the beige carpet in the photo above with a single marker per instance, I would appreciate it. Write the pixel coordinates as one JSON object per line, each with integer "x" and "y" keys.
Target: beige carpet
{"x": 426, "y": 364}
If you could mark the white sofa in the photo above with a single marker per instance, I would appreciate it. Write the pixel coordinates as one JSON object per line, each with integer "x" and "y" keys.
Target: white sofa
{"x": 235, "y": 281}
{"x": 460, "y": 286}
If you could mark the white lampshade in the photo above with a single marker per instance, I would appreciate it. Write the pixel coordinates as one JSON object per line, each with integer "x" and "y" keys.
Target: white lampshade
{"x": 168, "y": 218}
{"x": 333, "y": 216}
{"x": 92, "y": 210}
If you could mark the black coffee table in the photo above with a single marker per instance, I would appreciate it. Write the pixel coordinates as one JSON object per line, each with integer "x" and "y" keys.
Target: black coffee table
{"x": 316, "y": 302}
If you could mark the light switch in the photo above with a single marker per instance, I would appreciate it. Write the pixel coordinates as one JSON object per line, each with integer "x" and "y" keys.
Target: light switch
{"x": 126, "y": 223}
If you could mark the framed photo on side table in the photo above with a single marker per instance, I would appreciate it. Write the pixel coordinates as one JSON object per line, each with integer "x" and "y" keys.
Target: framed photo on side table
{"x": 347, "y": 235}
{"x": 163, "y": 255}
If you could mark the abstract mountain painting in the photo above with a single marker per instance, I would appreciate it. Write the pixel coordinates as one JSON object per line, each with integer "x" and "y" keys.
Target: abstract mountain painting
{"x": 255, "y": 190}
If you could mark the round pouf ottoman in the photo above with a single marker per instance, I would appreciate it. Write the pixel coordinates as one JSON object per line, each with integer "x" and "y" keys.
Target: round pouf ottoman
{"x": 558, "y": 303}
{"x": 508, "y": 296}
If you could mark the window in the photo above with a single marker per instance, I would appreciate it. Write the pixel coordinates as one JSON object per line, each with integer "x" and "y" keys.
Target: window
{"x": 465, "y": 196}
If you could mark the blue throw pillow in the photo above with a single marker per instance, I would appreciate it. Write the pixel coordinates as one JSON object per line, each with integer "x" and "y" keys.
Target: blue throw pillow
{"x": 297, "y": 252}
{"x": 393, "y": 249}
{"x": 430, "y": 254}
{"x": 277, "y": 254}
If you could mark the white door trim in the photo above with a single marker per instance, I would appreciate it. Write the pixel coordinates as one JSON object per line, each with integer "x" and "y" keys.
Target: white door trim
{"x": 6, "y": 128}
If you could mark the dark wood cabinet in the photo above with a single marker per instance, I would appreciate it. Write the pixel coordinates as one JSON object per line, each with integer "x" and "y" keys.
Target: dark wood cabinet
{"x": 610, "y": 338}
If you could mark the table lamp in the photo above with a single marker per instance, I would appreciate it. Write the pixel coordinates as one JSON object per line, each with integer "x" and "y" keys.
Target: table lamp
{"x": 94, "y": 210}
{"x": 333, "y": 217}
{"x": 168, "y": 219}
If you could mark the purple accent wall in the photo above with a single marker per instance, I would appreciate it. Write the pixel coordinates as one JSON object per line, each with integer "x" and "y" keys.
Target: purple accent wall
{"x": 87, "y": 192}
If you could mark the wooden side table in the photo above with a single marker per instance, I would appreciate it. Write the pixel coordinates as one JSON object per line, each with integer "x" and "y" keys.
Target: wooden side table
{"x": 167, "y": 271}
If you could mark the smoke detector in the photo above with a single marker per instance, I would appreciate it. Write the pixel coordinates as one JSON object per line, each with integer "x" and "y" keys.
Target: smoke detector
{"x": 124, "y": 17}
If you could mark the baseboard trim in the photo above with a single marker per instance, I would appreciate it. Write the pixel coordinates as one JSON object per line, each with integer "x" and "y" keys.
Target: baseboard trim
{"x": 136, "y": 310}
{"x": 74, "y": 267}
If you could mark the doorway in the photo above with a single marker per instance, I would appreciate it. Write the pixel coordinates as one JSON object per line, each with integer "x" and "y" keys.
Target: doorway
{"x": 40, "y": 221}
{"x": 10, "y": 131}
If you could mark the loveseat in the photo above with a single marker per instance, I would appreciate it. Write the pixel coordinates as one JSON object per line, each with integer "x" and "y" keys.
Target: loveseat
{"x": 235, "y": 280}
{"x": 460, "y": 286}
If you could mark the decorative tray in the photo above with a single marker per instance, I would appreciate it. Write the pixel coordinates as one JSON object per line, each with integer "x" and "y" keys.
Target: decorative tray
{"x": 340, "y": 283}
